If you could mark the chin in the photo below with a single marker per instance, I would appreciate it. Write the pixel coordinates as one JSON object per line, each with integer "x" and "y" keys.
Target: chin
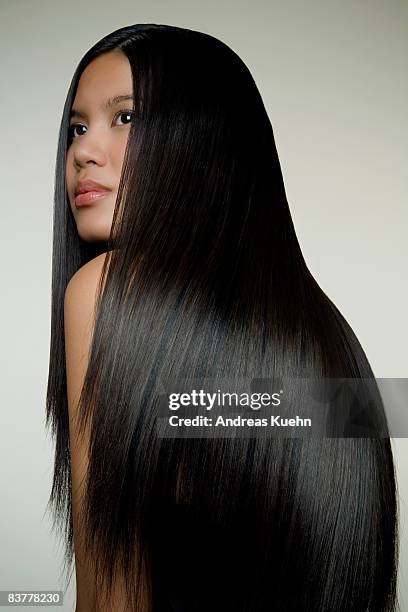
{"x": 92, "y": 235}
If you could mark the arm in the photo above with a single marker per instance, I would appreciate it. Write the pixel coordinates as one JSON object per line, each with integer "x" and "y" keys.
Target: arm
{"x": 79, "y": 305}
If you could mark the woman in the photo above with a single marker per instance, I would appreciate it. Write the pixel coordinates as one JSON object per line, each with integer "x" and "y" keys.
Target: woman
{"x": 182, "y": 262}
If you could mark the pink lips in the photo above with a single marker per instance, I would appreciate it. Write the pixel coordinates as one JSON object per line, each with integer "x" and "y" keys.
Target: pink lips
{"x": 88, "y": 197}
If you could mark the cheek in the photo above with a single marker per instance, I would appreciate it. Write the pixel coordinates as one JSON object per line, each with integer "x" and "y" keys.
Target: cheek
{"x": 118, "y": 155}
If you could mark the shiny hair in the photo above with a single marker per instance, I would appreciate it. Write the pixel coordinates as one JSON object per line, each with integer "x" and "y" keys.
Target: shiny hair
{"x": 206, "y": 278}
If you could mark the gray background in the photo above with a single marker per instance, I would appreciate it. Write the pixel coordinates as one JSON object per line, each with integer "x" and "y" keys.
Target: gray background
{"x": 333, "y": 79}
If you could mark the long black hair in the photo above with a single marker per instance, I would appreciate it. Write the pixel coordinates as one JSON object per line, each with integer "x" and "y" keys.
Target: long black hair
{"x": 206, "y": 279}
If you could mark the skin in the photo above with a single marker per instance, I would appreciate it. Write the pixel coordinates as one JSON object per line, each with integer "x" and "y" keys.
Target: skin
{"x": 99, "y": 140}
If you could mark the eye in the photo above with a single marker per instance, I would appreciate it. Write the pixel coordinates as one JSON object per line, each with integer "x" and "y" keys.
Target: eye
{"x": 71, "y": 130}
{"x": 128, "y": 115}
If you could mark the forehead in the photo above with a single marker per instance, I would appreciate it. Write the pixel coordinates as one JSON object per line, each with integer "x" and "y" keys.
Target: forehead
{"x": 106, "y": 76}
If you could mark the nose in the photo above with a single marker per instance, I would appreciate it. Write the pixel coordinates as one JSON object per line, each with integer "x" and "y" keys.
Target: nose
{"x": 90, "y": 148}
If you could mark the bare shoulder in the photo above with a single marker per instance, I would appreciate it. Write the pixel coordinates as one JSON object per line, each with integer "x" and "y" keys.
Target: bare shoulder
{"x": 79, "y": 323}
{"x": 79, "y": 319}
{"x": 83, "y": 284}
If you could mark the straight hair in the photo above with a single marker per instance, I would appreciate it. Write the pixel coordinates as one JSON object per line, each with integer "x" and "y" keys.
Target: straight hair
{"x": 205, "y": 278}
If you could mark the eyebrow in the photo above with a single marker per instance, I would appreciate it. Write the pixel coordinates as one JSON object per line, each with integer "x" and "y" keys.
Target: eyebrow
{"x": 108, "y": 104}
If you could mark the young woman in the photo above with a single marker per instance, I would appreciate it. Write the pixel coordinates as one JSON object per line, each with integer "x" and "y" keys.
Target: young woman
{"x": 175, "y": 257}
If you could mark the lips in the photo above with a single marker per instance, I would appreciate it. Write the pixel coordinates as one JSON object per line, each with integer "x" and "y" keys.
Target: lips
{"x": 88, "y": 191}
{"x": 90, "y": 196}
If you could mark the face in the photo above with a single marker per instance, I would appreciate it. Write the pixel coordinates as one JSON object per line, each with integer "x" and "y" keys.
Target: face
{"x": 99, "y": 129}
